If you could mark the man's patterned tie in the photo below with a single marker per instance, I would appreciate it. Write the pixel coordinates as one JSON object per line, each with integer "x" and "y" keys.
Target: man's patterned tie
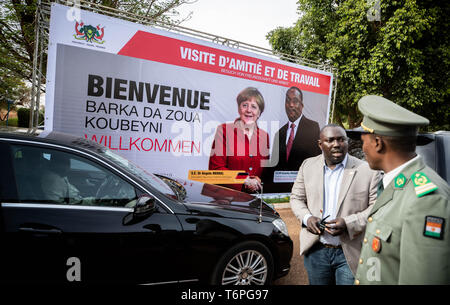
{"x": 290, "y": 141}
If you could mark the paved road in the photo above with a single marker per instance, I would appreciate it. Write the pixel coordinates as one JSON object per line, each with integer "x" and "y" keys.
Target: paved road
{"x": 297, "y": 275}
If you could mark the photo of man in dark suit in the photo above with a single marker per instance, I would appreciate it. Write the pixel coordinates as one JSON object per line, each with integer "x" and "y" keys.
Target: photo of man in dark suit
{"x": 293, "y": 143}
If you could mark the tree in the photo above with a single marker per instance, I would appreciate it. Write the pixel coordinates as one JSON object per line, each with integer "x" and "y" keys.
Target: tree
{"x": 401, "y": 54}
{"x": 17, "y": 30}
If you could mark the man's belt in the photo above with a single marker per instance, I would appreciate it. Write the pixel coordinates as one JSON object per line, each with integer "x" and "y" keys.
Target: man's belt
{"x": 331, "y": 246}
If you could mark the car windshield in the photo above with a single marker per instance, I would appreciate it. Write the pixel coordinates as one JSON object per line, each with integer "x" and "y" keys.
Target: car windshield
{"x": 153, "y": 180}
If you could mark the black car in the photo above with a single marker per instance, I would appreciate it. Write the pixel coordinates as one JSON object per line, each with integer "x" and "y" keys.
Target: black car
{"x": 435, "y": 150}
{"x": 433, "y": 147}
{"x": 74, "y": 211}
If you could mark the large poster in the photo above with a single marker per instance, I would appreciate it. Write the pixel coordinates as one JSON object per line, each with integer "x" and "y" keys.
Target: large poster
{"x": 161, "y": 99}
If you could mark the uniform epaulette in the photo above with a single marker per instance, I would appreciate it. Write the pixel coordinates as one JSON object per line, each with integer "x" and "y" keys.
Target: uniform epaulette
{"x": 422, "y": 184}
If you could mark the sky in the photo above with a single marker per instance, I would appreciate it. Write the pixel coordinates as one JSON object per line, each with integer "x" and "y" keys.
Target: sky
{"x": 247, "y": 21}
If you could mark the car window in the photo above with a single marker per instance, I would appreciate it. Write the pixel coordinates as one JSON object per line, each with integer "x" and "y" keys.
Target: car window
{"x": 152, "y": 179}
{"x": 51, "y": 176}
{"x": 80, "y": 165}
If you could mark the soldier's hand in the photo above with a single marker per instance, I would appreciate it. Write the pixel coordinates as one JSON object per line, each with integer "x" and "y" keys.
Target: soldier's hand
{"x": 313, "y": 225}
{"x": 336, "y": 226}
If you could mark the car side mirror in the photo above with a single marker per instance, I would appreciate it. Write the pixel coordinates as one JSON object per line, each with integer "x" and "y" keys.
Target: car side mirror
{"x": 145, "y": 205}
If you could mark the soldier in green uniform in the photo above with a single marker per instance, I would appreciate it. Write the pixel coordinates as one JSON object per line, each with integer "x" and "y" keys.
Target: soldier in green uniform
{"x": 407, "y": 235}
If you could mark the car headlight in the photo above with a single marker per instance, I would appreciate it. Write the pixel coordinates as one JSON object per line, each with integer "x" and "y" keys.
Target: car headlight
{"x": 281, "y": 226}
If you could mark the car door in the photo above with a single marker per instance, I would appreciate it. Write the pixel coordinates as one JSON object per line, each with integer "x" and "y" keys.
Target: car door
{"x": 66, "y": 218}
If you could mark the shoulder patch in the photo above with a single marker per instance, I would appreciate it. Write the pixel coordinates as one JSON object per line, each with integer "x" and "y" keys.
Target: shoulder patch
{"x": 422, "y": 184}
{"x": 399, "y": 181}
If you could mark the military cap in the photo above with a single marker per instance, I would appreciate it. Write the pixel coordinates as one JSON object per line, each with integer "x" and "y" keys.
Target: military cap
{"x": 383, "y": 117}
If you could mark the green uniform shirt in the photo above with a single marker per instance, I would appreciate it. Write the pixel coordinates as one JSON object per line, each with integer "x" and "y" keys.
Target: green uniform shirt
{"x": 407, "y": 234}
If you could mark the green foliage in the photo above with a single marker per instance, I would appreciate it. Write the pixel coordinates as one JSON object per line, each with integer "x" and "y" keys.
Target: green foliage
{"x": 11, "y": 122}
{"x": 277, "y": 199}
{"x": 16, "y": 46}
{"x": 12, "y": 88}
{"x": 404, "y": 56}
{"x": 23, "y": 115}
{"x": 158, "y": 10}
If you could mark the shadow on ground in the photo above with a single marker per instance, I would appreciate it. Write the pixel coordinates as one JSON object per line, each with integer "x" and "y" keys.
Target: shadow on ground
{"x": 297, "y": 275}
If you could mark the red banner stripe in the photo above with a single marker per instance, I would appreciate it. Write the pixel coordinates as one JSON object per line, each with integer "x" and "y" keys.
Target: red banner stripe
{"x": 182, "y": 53}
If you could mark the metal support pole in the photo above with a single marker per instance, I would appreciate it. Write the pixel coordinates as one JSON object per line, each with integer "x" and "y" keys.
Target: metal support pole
{"x": 34, "y": 87}
{"x": 334, "y": 97}
{"x": 39, "y": 76}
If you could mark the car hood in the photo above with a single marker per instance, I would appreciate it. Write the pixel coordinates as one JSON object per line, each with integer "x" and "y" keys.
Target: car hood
{"x": 220, "y": 201}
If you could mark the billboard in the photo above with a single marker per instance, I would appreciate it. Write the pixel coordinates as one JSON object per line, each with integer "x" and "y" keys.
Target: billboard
{"x": 159, "y": 98}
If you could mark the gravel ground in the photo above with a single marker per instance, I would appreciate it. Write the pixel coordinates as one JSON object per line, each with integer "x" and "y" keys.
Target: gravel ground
{"x": 297, "y": 275}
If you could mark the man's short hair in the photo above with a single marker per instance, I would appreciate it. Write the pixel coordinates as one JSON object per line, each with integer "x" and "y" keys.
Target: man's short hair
{"x": 404, "y": 144}
{"x": 331, "y": 125}
{"x": 300, "y": 93}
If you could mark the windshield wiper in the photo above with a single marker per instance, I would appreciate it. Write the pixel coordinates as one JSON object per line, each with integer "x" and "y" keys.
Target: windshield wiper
{"x": 175, "y": 186}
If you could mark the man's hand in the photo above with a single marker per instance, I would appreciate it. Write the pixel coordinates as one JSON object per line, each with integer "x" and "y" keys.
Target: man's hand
{"x": 336, "y": 226}
{"x": 313, "y": 225}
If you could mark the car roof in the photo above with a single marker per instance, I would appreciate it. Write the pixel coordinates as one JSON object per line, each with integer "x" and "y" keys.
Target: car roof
{"x": 53, "y": 137}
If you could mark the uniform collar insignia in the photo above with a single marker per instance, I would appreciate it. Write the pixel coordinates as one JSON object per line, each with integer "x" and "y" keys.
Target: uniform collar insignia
{"x": 399, "y": 181}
